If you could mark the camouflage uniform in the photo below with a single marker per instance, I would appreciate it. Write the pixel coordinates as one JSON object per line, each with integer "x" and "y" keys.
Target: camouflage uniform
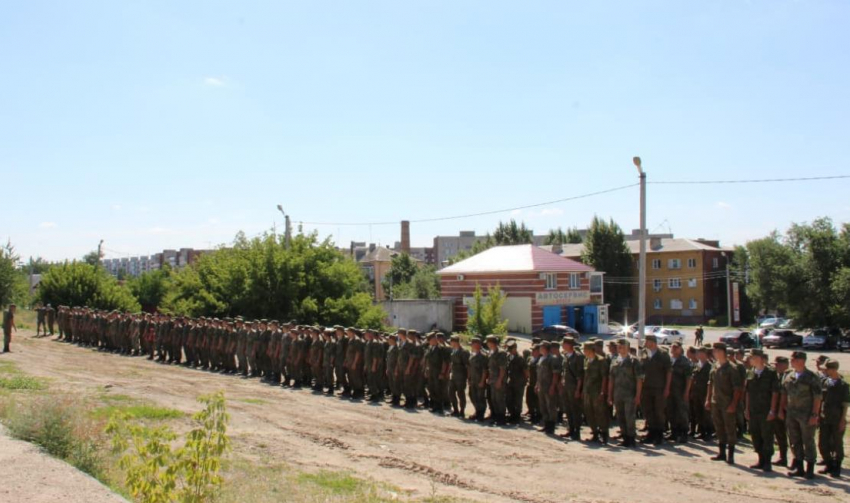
{"x": 625, "y": 374}
{"x": 593, "y": 392}
{"x": 800, "y": 392}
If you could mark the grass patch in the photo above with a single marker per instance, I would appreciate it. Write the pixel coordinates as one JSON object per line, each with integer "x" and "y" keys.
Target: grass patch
{"x": 7, "y": 367}
{"x": 138, "y": 411}
{"x": 333, "y": 482}
{"x": 253, "y": 401}
{"x": 22, "y": 383}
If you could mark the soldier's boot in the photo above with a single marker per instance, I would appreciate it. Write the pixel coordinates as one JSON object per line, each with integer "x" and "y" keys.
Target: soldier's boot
{"x": 595, "y": 437}
{"x": 796, "y": 469}
{"x": 625, "y": 441}
{"x": 827, "y": 468}
{"x": 782, "y": 461}
{"x": 836, "y": 468}
{"x": 721, "y": 453}
{"x": 767, "y": 468}
{"x": 648, "y": 438}
{"x": 730, "y": 457}
{"x": 346, "y": 391}
{"x": 659, "y": 438}
{"x": 822, "y": 462}
{"x": 605, "y": 437}
{"x": 683, "y": 437}
{"x": 479, "y": 416}
{"x": 758, "y": 465}
{"x": 810, "y": 471}
{"x": 550, "y": 429}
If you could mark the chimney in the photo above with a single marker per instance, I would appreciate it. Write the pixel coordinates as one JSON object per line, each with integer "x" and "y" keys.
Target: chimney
{"x": 654, "y": 243}
{"x": 372, "y": 247}
{"x": 405, "y": 236}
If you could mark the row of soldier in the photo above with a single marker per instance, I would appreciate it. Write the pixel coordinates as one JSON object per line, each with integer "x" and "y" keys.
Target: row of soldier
{"x": 699, "y": 392}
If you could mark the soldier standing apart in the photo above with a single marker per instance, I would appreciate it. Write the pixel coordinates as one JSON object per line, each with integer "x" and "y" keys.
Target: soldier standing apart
{"x": 762, "y": 389}
{"x": 497, "y": 370}
{"x": 572, "y": 381}
{"x": 701, "y": 420}
{"x": 680, "y": 391}
{"x": 836, "y": 398}
{"x": 657, "y": 369}
{"x": 51, "y": 318}
{"x": 594, "y": 393}
{"x": 459, "y": 375}
{"x": 780, "y": 429}
{"x": 546, "y": 390}
{"x": 8, "y": 326}
{"x": 531, "y": 401}
{"x": 392, "y": 369}
{"x": 517, "y": 378}
{"x": 477, "y": 380}
{"x": 433, "y": 369}
{"x": 801, "y": 400}
{"x": 624, "y": 391}
{"x": 725, "y": 388}
{"x": 412, "y": 371}
{"x": 40, "y": 321}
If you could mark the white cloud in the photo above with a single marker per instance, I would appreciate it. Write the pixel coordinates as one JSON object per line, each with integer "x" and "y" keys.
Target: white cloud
{"x": 516, "y": 213}
{"x": 723, "y": 205}
{"x": 215, "y": 82}
{"x": 213, "y": 221}
{"x": 551, "y": 212}
{"x": 47, "y": 225}
{"x": 116, "y": 207}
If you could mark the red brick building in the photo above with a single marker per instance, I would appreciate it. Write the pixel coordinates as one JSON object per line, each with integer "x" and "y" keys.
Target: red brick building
{"x": 542, "y": 288}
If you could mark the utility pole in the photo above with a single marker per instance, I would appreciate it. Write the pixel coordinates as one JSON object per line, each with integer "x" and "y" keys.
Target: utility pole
{"x": 728, "y": 292}
{"x": 99, "y": 253}
{"x": 642, "y": 257}
{"x": 287, "y": 232}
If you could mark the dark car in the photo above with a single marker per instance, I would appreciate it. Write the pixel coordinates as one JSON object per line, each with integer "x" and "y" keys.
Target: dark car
{"x": 822, "y": 338}
{"x": 555, "y": 332}
{"x": 738, "y": 339}
{"x": 782, "y": 339}
{"x": 844, "y": 342}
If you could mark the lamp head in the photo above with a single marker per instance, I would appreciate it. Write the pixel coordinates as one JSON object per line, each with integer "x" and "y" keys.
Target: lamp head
{"x": 279, "y": 207}
{"x": 636, "y": 161}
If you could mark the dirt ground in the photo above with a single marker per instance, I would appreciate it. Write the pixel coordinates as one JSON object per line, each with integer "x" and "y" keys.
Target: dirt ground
{"x": 419, "y": 452}
{"x": 30, "y": 476}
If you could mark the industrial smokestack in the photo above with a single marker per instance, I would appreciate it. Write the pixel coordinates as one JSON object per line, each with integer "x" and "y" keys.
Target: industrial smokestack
{"x": 405, "y": 236}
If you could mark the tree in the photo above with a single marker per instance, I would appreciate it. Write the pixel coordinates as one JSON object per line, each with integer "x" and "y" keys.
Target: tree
{"x": 10, "y": 277}
{"x": 82, "y": 284}
{"x": 425, "y": 284}
{"x": 605, "y": 249}
{"x": 37, "y": 266}
{"x": 505, "y": 234}
{"x": 770, "y": 266}
{"x": 92, "y": 258}
{"x": 310, "y": 281}
{"x": 150, "y": 288}
{"x": 559, "y": 237}
{"x": 402, "y": 270}
{"x": 485, "y": 317}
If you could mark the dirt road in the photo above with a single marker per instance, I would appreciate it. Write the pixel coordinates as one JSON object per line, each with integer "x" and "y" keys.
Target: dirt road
{"x": 418, "y": 451}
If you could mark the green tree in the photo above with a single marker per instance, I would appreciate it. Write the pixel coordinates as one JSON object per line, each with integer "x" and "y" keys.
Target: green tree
{"x": 505, "y": 234}
{"x": 605, "y": 249}
{"x": 91, "y": 258}
{"x": 424, "y": 284}
{"x": 740, "y": 264}
{"x": 37, "y": 265}
{"x": 82, "y": 284}
{"x": 559, "y": 237}
{"x": 770, "y": 268}
{"x": 10, "y": 276}
{"x": 402, "y": 270}
{"x": 573, "y": 236}
{"x": 150, "y": 288}
{"x": 485, "y": 317}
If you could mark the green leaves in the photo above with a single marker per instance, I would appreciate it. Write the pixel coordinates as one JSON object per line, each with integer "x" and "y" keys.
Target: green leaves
{"x": 156, "y": 473}
{"x": 485, "y": 317}
{"x": 605, "y": 250}
{"x": 82, "y": 284}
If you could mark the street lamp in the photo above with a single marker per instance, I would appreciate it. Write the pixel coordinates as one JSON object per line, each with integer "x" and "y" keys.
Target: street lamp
{"x": 287, "y": 233}
{"x": 642, "y": 257}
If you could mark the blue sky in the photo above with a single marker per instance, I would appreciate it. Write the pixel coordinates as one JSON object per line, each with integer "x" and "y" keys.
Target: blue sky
{"x": 156, "y": 124}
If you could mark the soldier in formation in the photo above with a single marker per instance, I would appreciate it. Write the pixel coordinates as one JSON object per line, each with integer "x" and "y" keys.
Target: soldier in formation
{"x": 698, "y": 392}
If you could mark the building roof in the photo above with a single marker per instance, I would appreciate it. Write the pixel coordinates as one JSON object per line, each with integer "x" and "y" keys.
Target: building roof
{"x": 379, "y": 254}
{"x": 664, "y": 245}
{"x": 512, "y": 259}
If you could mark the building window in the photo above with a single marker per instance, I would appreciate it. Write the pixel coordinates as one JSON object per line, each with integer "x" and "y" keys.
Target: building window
{"x": 692, "y": 304}
{"x": 674, "y": 263}
{"x": 675, "y": 304}
{"x": 656, "y": 263}
{"x": 715, "y": 263}
{"x": 575, "y": 282}
{"x": 674, "y": 283}
{"x": 692, "y": 263}
{"x": 692, "y": 282}
{"x": 656, "y": 285}
{"x": 657, "y": 304}
{"x": 551, "y": 281}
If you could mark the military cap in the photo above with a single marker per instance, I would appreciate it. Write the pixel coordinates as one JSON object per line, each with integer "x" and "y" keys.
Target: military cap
{"x": 707, "y": 346}
{"x": 832, "y": 364}
{"x": 295, "y": 322}
{"x": 440, "y": 335}
{"x": 599, "y": 342}
{"x": 677, "y": 344}
{"x": 703, "y": 349}
{"x": 264, "y": 321}
{"x": 475, "y": 340}
{"x": 612, "y": 342}
{"x": 591, "y": 347}
{"x": 719, "y": 345}
{"x": 414, "y": 333}
{"x": 401, "y": 331}
{"x": 741, "y": 351}
{"x": 799, "y": 355}
{"x": 392, "y": 337}
{"x": 454, "y": 338}
{"x": 758, "y": 352}
{"x": 430, "y": 335}
{"x": 651, "y": 338}
{"x": 350, "y": 329}
{"x": 536, "y": 345}
{"x": 545, "y": 344}
{"x": 622, "y": 342}
{"x": 822, "y": 358}
{"x": 511, "y": 344}
{"x": 535, "y": 340}
{"x": 569, "y": 340}
{"x": 492, "y": 338}
{"x": 228, "y": 319}
{"x": 339, "y": 327}
{"x": 780, "y": 359}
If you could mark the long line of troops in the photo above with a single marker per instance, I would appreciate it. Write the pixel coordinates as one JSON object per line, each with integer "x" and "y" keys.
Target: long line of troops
{"x": 702, "y": 392}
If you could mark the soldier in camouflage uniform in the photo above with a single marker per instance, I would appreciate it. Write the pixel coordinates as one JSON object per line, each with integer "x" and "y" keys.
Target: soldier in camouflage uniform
{"x": 477, "y": 380}
{"x": 375, "y": 367}
{"x": 339, "y": 361}
{"x": 833, "y": 421}
{"x": 594, "y": 391}
{"x": 459, "y": 361}
{"x": 412, "y": 353}
{"x": 573, "y": 381}
{"x": 780, "y": 429}
{"x": 517, "y": 379}
{"x": 680, "y": 390}
{"x": 393, "y": 369}
{"x": 328, "y": 359}
{"x": 725, "y": 388}
{"x": 354, "y": 363}
{"x": 657, "y": 368}
{"x": 497, "y": 370}
{"x": 531, "y": 401}
{"x": 801, "y": 396}
{"x": 433, "y": 368}
{"x": 547, "y": 388}
{"x": 317, "y": 350}
{"x": 762, "y": 394}
{"x": 624, "y": 390}
{"x": 700, "y": 419}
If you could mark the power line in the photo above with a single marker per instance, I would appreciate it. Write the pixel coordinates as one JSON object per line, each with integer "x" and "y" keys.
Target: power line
{"x": 482, "y": 213}
{"x": 755, "y": 180}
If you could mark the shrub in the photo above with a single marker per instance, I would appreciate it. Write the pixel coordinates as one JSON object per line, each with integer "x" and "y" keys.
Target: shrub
{"x": 485, "y": 317}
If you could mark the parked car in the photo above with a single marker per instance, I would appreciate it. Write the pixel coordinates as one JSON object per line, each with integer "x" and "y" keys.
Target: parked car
{"x": 668, "y": 336}
{"x": 768, "y": 322}
{"x": 822, "y": 338}
{"x": 739, "y": 339}
{"x": 650, "y": 330}
{"x": 787, "y": 324}
{"x": 782, "y": 339}
{"x": 760, "y": 333}
{"x": 844, "y": 342}
{"x": 555, "y": 333}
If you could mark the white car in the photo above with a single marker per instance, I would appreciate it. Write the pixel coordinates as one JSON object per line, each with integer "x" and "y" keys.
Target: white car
{"x": 651, "y": 330}
{"x": 669, "y": 336}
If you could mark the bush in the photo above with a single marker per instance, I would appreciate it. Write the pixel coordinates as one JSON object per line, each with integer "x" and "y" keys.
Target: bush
{"x": 485, "y": 317}
{"x": 62, "y": 428}
{"x": 81, "y": 284}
